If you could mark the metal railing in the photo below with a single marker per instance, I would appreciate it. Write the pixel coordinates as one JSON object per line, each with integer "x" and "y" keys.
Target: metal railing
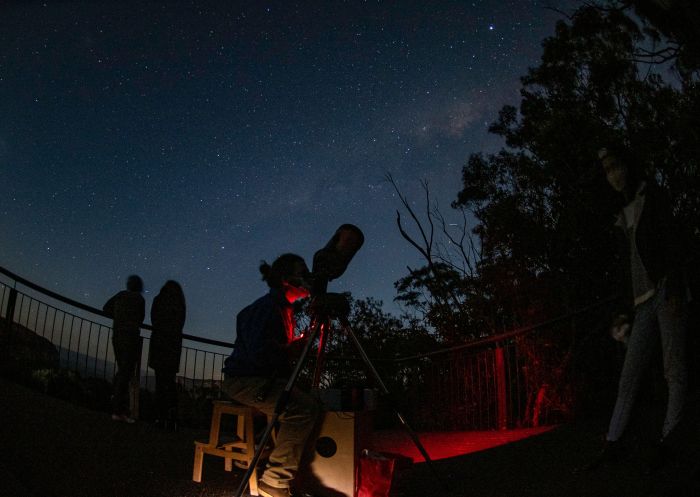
{"x": 499, "y": 383}
{"x": 520, "y": 378}
{"x": 82, "y": 336}
{"x": 515, "y": 379}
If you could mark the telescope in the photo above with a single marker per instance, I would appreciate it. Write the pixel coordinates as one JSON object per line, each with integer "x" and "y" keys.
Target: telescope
{"x": 332, "y": 260}
{"x": 329, "y": 263}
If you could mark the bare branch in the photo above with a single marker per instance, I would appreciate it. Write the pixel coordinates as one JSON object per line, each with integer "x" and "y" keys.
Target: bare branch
{"x": 560, "y": 12}
{"x": 427, "y": 251}
{"x": 408, "y": 238}
{"x": 458, "y": 244}
{"x": 643, "y": 52}
{"x": 625, "y": 5}
{"x": 657, "y": 61}
{"x": 427, "y": 208}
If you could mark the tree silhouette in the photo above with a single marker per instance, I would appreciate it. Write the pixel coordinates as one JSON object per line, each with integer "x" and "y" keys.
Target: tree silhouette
{"x": 543, "y": 212}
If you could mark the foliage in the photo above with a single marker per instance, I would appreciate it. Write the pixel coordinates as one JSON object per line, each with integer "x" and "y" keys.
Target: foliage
{"x": 93, "y": 393}
{"x": 678, "y": 22}
{"x": 543, "y": 213}
{"x": 443, "y": 294}
{"x": 382, "y": 335}
{"x": 383, "y": 338}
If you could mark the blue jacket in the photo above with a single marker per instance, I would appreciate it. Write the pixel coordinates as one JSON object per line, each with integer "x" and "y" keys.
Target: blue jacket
{"x": 263, "y": 331}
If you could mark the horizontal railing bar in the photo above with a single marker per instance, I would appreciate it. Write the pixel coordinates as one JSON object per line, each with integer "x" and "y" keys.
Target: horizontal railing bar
{"x": 510, "y": 334}
{"x": 99, "y": 312}
{"x": 195, "y": 338}
{"x": 55, "y": 295}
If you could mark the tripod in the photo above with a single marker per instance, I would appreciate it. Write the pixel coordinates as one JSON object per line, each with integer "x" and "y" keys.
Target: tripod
{"x": 336, "y": 308}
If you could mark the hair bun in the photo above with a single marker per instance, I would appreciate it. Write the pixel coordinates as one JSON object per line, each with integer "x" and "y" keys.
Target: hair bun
{"x": 265, "y": 269}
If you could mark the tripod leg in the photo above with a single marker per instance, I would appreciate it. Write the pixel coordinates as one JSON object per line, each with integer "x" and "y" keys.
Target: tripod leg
{"x": 414, "y": 437}
{"x": 320, "y": 353}
{"x": 280, "y": 406}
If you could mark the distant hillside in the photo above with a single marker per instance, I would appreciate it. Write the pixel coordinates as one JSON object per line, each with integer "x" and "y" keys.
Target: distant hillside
{"x": 22, "y": 351}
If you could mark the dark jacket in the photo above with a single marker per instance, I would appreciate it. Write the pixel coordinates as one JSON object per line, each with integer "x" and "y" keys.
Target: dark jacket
{"x": 167, "y": 318}
{"x": 263, "y": 331}
{"x": 128, "y": 310}
{"x": 658, "y": 243}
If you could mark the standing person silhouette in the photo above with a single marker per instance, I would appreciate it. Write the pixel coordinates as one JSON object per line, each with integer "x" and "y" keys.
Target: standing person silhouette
{"x": 167, "y": 319}
{"x": 127, "y": 309}
{"x": 259, "y": 367}
{"x": 657, "y": 295}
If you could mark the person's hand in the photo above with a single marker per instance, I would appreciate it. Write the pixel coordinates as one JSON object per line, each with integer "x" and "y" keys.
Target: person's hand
{"x": 674, "y": 304}
{"x": 620, "y": 328}
{"x": 295, "y": 347}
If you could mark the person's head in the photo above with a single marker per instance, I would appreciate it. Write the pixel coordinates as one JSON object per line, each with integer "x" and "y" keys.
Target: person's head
{"x": 615, "y": 162}
{"x": 288, "y": 273}
{"x": 134, "y": 283}
{"x": 173, "y": 288}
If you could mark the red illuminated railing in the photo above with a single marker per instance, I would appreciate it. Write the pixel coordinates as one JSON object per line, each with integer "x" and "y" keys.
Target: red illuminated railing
{"x": 516, "y": 379}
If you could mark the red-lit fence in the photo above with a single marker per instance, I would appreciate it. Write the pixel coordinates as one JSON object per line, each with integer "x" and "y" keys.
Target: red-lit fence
{"x": 513, "y": 380}
{"x": 523, "y": 378}
{"x": 517, "y": 379}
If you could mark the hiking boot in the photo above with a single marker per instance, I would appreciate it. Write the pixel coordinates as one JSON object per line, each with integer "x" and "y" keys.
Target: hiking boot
{"x": 269, "y": 491}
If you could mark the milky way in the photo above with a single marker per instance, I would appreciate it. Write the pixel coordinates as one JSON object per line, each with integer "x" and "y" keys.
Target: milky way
{"x": 189, "y": 141}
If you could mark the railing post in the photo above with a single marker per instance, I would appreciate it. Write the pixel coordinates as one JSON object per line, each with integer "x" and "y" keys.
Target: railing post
{"x": 501, "y": 389}
{"x": 135, "y": 383}
{"x": 10, "y": 313}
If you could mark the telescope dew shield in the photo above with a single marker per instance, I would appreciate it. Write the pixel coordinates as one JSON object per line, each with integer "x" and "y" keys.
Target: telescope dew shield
{"x": 332, "y": 260}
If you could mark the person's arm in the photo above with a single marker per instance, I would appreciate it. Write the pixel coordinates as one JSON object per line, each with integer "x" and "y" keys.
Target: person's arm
{"x": 142, "y": 309}
{"x": 669, "y": 233}
{"x": 181, "y": 317}
{"x": 108, "y": 308}
{"x": 278, "y": 345}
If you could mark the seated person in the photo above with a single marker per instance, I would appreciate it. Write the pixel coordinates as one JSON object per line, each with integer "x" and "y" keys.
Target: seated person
{"x": 257, "y": 371}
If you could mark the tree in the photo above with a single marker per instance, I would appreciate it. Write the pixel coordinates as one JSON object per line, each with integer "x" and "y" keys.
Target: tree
{"x": 679, "y": 22}
{"x": 537, "y": 236}
{"x": 443, "y": 293}
{"x": 544, "y": 213}
{"x": 382, "y": 336}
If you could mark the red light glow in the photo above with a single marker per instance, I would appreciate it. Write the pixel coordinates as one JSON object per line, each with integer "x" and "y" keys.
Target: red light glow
{"x": 442, "y": 445}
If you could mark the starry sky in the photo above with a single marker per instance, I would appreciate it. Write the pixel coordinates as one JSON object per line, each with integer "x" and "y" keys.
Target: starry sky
{"x": 190, "y": 140}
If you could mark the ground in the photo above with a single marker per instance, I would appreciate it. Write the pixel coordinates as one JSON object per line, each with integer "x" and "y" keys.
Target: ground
{"x": 50, "y": 448}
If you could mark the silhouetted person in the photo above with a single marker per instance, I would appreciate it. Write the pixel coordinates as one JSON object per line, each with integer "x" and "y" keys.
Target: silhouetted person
{"x": 259, "y": 367}
{"x": 657, "y": 297}
{"x": 167, "y": 319}
{"x": 127, "y": 308}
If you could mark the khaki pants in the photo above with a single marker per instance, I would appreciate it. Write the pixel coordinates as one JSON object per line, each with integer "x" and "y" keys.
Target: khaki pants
{"x": 295, "y": 424}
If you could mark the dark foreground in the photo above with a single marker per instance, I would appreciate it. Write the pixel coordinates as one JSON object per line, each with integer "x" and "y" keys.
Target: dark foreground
{"x": 49, "y": 448}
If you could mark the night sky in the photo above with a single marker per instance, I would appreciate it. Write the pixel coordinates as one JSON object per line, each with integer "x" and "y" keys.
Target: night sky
{"x": 190, "y": 140}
